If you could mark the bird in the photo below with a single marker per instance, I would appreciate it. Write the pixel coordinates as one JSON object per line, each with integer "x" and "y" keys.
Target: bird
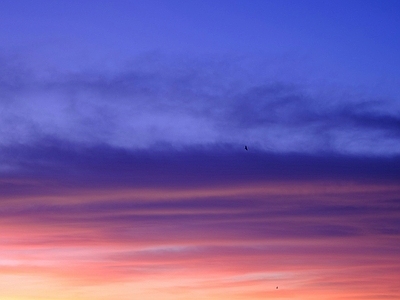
{"x": 245, "y": 148}
{"x": 276, "y": 287}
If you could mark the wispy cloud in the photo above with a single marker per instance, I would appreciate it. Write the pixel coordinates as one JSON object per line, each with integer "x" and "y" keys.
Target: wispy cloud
{"x": 184, "y": 104}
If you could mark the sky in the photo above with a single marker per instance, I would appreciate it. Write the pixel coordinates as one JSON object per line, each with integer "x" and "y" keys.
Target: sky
{"x": 123, "y": 168}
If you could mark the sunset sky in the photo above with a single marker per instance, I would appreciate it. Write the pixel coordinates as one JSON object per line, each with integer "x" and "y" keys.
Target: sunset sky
{"x": 123, "y": 169}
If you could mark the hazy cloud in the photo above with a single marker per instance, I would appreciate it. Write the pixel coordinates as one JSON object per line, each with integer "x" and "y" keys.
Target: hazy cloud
{"x": 188, "y": 103}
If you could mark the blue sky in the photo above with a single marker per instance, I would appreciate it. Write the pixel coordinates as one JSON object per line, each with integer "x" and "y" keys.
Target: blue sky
{"x": 356, "y": 35}
{"x": 280, "y": 75}
{"x": 123, "y": 171}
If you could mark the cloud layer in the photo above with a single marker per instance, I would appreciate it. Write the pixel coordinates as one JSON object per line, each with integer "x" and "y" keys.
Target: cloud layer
{"x": 135, "y": 182}
{"x": 198, "y": 222}
{"x": 193, "y": 103}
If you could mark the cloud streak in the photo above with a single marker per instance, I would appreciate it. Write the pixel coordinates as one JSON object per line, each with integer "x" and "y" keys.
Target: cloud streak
{"x": 98, "y": 215}
{"x": 207, "y": 220}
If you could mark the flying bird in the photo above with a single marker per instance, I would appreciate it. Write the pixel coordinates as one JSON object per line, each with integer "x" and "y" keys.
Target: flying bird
{"x": 245, "y": 148}
{"x": 276, "y": 287}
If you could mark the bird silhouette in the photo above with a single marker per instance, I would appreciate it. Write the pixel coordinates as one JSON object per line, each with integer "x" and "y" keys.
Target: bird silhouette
{"x": 245, "y": 148}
